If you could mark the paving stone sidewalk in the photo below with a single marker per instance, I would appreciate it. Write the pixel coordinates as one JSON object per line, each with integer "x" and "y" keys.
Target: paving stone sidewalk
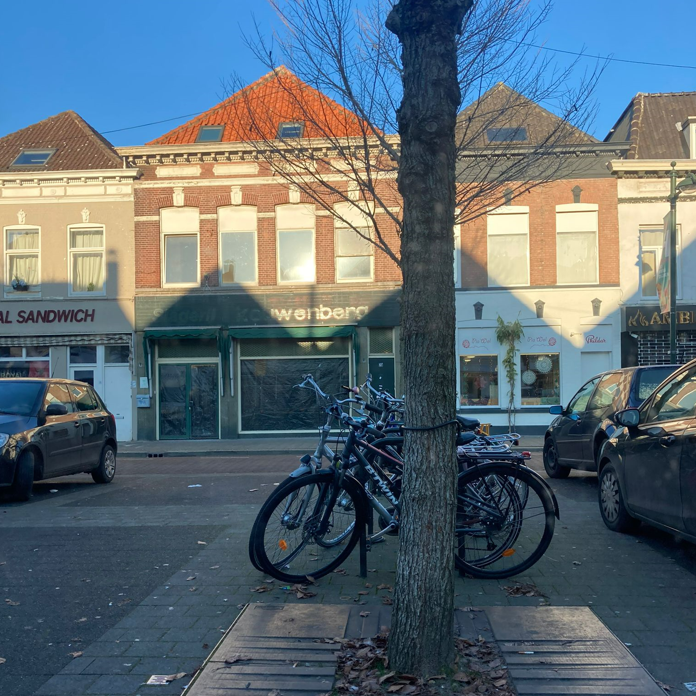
{"x": 643, "y": 587}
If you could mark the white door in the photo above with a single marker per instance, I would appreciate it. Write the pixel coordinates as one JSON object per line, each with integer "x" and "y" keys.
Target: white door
{"x": 117, "y": 397}
{"x": 592, "y": 363}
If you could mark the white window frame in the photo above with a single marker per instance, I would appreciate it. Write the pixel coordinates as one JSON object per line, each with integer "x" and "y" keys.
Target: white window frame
{"x": 73, "y": 250}
{"x": 578, "y": 208}
{"x": 460, "y": 394}
{"x": 24, "y": 357}
{"x": 288, "y": 208}
{"x": 180, "y": 233}
{"x": 520, "y": 210}
{"x": 519, "y": 377}
{"x": 230, "y": 232}
{"x": 371, "y": 254}
{"x": 457, "y": 256}
{"x": 661, "y": 227}
{"x": 8, "y": 290}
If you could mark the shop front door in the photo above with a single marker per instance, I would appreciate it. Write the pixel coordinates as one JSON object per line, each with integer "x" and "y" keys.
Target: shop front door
{"x": 382, "y": 371}
{"x": 188, "y": 401}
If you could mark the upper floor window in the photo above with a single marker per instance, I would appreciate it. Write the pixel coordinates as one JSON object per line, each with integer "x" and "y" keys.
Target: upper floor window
{"x": 652, "y": 241}
{"x": 33, "y": 158}
{"x": 507, "y": 135}
{"x": 508, "y": 246}
{"x": 210, "y": 134}
{"x": 22, "y": 268}
{"x": 86, "y": 260}
{"x": 354, "y": 250}
{"x": 292, "y": 129}
{"x": 295, "y": 233}
{"x": 577, "y": 256}
{"x": 179, "y": 228}
{"x": 237, "y": 228}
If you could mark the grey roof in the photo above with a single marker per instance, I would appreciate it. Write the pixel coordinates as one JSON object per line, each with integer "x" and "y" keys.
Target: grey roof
{"x": 649, "y": 124}
{"x": 78, "y": 146}
{"x": 503, "y": 107}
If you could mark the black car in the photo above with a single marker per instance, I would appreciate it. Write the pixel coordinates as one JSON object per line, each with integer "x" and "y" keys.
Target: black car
{"x": 53, "y": 427}
{"x": 647, "y": 469}
{"x": 574, "y": 438}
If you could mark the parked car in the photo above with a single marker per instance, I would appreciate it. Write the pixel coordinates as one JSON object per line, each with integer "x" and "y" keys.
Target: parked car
{"x": 574, "y": 438}
{"x": 647, "y": 469}
{"x": 53, "y": 427}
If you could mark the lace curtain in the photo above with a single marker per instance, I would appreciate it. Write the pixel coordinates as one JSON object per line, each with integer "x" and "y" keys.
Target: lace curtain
{"x": 23, "y": 266}
{"x": 88, "y": 266}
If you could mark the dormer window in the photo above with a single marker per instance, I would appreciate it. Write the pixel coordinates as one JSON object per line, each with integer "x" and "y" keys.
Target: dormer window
{"x": 210, "y": 134}
{"x": 507, "y": 135}
{"x": 33, "y": 158}
{"x": 688, "y": 128}
{"x": 294, "y": 129}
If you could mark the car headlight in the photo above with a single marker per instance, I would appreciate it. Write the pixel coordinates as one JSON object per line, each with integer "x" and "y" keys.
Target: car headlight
{"x": 3, "y": 439}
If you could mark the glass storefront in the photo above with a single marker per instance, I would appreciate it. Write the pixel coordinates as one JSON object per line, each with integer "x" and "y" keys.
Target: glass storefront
{"x": 479, "y": 380}
{"x": 540, "y": 374}
{"x": 30, "y": 361}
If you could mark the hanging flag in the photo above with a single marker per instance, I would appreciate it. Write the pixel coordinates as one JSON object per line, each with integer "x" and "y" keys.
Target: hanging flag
{"x": 664, "y": 272}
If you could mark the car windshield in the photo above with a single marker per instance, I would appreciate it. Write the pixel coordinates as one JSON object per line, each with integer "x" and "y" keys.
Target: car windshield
{"x": 650, "y": 379}
{"x": 19, "y": 398}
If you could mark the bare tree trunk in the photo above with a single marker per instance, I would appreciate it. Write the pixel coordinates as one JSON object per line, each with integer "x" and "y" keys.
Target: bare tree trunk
{"x": 421, "y": 640}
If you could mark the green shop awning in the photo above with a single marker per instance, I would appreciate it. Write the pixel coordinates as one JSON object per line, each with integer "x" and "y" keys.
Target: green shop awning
{"x": 156, "y": 334}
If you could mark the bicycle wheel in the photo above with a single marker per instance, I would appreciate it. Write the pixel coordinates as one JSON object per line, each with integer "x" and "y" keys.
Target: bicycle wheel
{"x": 304, "y": 528}
{"x": 497, "y": 535}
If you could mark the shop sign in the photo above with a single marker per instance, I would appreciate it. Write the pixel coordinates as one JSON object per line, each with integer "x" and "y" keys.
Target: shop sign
{"x": 542, "y": 340}
{"x": 649, "y": 318}
{"x": 597, "y": 338}
{"x": 47, "y": 316}
{"x": 315, "y": 307}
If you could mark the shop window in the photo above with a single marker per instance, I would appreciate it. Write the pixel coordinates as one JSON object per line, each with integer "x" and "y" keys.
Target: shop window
{"x": 22, "y": 274}
{"x": 540, "y": 374}
{"x": 237, "y": 229}
{"x": 179, "y": 228}
{"x": 32, "y": 361}
{"x": 508, "y": 246}
{"x": 86, "y": 261}
{"x": 117, "y": 354}
{"x": 576, "y": 244}
{"x": 478, "y": 380}
{"x": 83, "y": 355}
{"x": 652, "y": 241}
{"x": 353, "y": 254}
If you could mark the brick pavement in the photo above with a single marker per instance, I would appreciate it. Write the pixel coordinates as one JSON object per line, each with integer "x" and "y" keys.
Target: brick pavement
{"x": 643, "y": 587}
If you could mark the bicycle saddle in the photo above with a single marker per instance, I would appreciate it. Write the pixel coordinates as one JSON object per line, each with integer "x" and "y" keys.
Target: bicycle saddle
{"x": 468, "y": 423}
{"x": 465, "y": 438}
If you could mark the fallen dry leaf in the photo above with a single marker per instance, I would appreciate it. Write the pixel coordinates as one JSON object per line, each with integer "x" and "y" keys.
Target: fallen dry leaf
{"x": 523, "y": 589}
{"x": 364, "y": 614}
{"x": 461, "y": 677}
{"x": 368, "y": 584}
{"x": 261, "y": 588}
{"x": 2, "y": 660}
{"x": 214, "y": 567}
{"x": 237, "y": 658}
{"x": 386, "y": 587}
{"x": 341, "y": 571}
{"x": 301, "y": 592}
{"x": 178, "y": 675}
{"x": 78, "y": 653}
{"x": 82, "y": 620}
{"x": 202, "y": 543}
{"x": 253, "y": 490}
{"x": 11, "y": 603}
{"x": 363, "y": 592}
{"x": 190, "y": 577}
{"x": 387, "y": 600}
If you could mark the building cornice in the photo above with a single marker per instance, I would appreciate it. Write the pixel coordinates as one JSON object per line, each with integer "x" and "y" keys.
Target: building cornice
{"x": 91, "y": 176}
{"x": 636, "y": 168}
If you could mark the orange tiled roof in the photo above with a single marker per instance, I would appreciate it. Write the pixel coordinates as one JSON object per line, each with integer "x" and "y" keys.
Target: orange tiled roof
{"x": 256, "y": 111}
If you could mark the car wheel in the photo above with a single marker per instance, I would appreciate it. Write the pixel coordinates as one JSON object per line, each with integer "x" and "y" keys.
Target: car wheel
{"x": 553, "y": 468}
{"x": 611, "y": 503}
{"x": 23, "y": 485}
{"x": 106, "y": 470}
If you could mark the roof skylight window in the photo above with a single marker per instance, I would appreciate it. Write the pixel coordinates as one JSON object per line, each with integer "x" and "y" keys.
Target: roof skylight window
{"x": 506, "y": 135}
{"x": 293, "y": 129}
{"x": 32, "y": 158}
{"x": 210, "y": 134}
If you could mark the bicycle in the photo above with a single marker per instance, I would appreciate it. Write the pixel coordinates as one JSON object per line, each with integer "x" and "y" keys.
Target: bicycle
{"x": 312, "y": 522}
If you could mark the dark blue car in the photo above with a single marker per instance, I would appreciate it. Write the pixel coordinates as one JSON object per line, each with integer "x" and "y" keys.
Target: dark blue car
{"x": 575, "y": 436}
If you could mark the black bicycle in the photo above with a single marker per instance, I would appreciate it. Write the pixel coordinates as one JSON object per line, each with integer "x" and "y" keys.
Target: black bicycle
{"x": 311, "y": 523}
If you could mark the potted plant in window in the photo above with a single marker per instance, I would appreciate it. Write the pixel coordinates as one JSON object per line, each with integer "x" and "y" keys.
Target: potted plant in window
{"x": 19, "y": 285}
{"x": 90, "y": 287}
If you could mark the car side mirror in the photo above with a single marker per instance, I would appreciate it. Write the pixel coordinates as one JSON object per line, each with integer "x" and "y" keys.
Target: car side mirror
{"x": 556, "y": 410}
{"x": 56, "y": 410}
{"x": 629, "y": 417}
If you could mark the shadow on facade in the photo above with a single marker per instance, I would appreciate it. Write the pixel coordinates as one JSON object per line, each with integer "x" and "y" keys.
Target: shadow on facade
{"x": 220, "y": 363}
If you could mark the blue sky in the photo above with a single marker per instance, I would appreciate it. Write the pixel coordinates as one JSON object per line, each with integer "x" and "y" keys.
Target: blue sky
{"x": 131, "y": 62}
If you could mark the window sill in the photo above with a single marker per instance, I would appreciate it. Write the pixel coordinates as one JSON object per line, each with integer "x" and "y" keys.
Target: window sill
{"x": 14, "y": 295}
{"x": 85, "y": 295}
{"x": 173, "y": 286}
